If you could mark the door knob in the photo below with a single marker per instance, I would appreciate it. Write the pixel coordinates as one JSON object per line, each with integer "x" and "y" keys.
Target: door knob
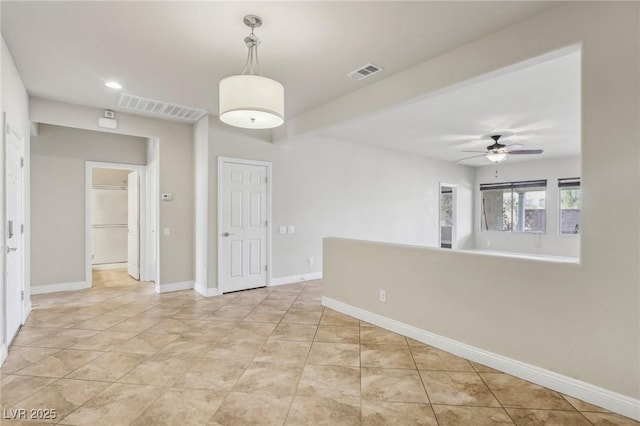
{"x": 10, "y": 249}
{"x": 226, "y": 234}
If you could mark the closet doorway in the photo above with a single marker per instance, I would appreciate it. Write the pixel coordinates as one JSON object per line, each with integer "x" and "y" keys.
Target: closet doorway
{"x": 116, "y": 222}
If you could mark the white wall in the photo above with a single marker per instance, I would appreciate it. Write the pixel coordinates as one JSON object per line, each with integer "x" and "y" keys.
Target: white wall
{"x": 581, "y": 321}
{"x": 14, "y": 102}
{"x": 59, "y": 156}
{"x": 174, "y": 146}
{"x": 551, "y": 242}
{"x": 325, "y": 187}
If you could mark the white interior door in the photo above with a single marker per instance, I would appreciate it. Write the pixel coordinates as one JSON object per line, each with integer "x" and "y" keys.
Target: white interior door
{"x": 13, "y": 232}
{"x": 133, "y": 224}
{"x": 244, "y": 227}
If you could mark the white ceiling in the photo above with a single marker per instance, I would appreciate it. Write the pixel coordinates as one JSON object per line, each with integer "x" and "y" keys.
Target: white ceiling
{"x": 539, "y": 105}
{"x": 177, "y": 52}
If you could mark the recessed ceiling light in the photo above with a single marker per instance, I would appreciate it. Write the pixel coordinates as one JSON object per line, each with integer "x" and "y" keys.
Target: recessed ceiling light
{"x": 113, "y": 85}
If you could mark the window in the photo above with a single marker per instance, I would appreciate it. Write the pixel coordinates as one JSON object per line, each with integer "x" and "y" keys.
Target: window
{"x": 514, "y": 206}
{"x": 570, "y": 203}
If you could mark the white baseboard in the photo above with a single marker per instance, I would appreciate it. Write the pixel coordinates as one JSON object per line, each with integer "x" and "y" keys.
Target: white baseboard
{"x": 296, "y": 278}
{"x": 52, "y": 288}
{"x": 206, "y": 292}
{"x": 108, "y": 266}
{"x": 167, "y": 288}
{"x": 3, "y": 354}
{"x": 618, "y": 403}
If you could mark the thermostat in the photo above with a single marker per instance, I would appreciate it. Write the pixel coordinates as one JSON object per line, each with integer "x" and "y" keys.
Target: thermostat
{"x": 167, "y": 197}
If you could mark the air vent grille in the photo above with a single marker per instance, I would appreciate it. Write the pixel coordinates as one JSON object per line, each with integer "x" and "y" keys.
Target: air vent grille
{"x": 364, "y": 72}
{"x": 161, "y": 108}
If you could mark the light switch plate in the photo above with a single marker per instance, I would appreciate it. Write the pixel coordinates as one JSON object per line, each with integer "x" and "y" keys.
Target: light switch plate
{"x": 291, "y": 229}
{"x": 283, "y": 229}
{"x": 166, "y": 232}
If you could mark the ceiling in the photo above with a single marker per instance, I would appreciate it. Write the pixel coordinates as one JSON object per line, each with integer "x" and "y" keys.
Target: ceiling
{"x": 537, "y": 106}
{"x": 177, "y": 52}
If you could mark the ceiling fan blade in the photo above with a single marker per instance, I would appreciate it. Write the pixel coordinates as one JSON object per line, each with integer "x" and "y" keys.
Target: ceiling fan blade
{"x": 526, "y": 151}
{"x": 469, "y": 158}
{"x": 514, "y": 145}
{"x": 465, "y": 150}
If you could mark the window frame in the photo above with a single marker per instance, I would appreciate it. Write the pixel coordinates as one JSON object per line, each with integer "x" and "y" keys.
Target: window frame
{"x": 569, "y": 183}
{"x": 538, "y": 183}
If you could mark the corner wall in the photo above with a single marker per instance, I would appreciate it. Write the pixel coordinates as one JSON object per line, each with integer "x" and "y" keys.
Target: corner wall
{"x": 59, "y": 156}
{"x": 201, "y": 207}
{"x": 175, "y": 165}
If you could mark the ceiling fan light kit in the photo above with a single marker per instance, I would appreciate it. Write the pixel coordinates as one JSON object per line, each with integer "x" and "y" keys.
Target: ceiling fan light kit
{"x": 498, "y": 152}
{"x": 249, "y": 100}
{"x": 496, "y": 157}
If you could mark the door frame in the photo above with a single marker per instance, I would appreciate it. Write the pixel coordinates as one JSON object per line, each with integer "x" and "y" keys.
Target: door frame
{"x": 142, "y": 237}
{"x": 454, "y": 213}
{"x": 152, "y": 268}
{"x": 268, "y": 165}
{"x": 25, "y": 302}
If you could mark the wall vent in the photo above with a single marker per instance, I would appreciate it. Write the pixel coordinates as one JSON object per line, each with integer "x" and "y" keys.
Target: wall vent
{"x": 160, "y": 108}
{"x": 364, "y": 72}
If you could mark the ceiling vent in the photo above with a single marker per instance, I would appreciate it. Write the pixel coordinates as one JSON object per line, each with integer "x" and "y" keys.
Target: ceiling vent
{"x": 160, "y": 108}
{"x": 364, "y": 72}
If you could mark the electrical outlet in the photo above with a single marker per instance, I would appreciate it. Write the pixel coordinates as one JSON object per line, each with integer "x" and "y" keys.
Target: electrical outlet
{"x": 310, "y": 261}
{"x": 383, "y": 296}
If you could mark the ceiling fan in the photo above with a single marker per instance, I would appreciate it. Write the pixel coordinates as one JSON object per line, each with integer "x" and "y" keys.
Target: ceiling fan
{"x": 497, "y": 151}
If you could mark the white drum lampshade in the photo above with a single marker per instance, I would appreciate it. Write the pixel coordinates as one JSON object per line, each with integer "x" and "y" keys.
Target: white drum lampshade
{"x": 251, "y": 102}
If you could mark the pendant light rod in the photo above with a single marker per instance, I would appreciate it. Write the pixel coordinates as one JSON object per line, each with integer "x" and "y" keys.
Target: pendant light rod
{"x": 252, "y": 67}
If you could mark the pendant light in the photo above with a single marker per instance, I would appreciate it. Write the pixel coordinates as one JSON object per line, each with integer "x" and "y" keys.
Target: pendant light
{"x": 250, "y": 100}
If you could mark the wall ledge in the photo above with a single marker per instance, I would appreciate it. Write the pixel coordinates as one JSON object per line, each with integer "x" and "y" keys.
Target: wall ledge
{"x": 618, "y": 403}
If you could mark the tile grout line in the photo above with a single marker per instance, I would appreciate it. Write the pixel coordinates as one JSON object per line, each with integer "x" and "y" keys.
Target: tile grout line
{"x": 435, "y": 416}
{"x": 295, "y": 392}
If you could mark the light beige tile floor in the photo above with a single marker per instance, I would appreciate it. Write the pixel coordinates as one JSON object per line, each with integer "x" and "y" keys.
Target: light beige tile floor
{"x": 120, "y": 354}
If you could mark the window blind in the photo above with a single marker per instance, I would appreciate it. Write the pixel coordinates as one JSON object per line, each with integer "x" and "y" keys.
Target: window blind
{"x": 514, "y": 185}
{"x": 569, "y": 182}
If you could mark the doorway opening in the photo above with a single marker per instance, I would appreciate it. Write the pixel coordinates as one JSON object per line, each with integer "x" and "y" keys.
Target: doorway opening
{"x": 447, "y": 220}
{"x": 118, "y": 221}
